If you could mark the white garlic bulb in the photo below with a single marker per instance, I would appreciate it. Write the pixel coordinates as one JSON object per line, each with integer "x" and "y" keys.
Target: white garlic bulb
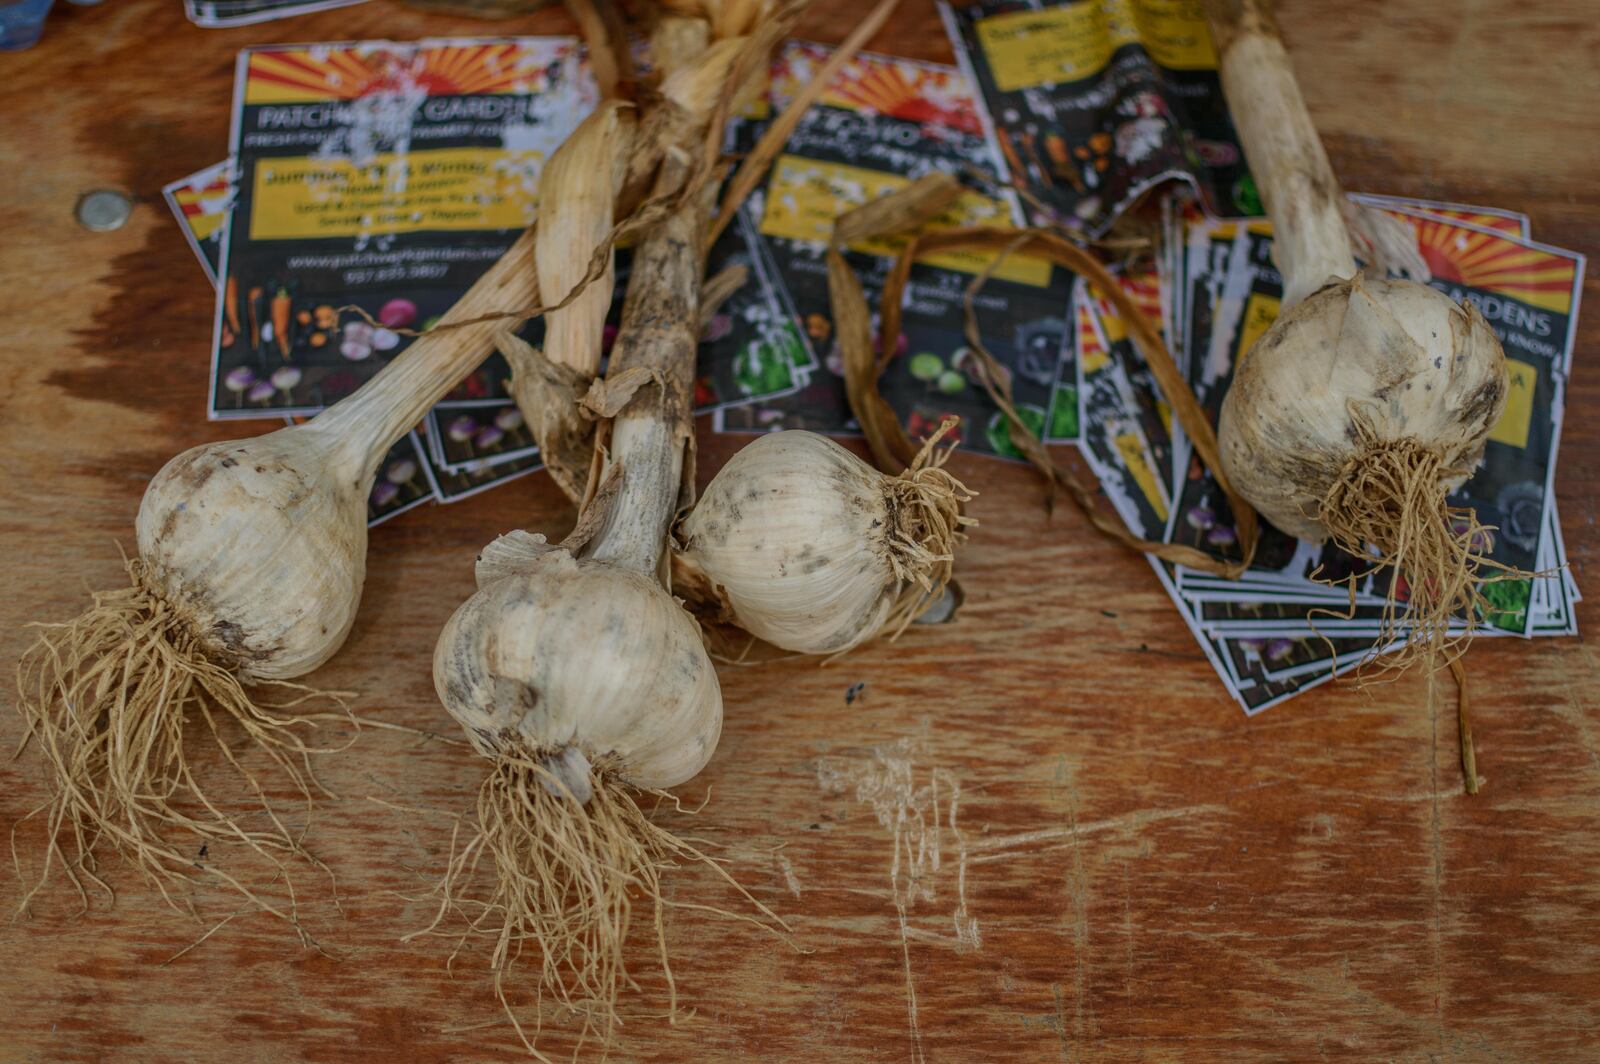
{"x": 808, "y": 547}
{"x": 252, "y": 555}
{"x": 262, "y": 545}
{"x": 1359, "y": 364}
{"x": 553, "y": 655}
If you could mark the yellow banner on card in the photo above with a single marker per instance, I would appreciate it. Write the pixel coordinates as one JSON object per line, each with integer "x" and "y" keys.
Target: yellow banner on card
{"x": 1260, "y": 312}
{"x": 447, "y": 189}
{"x": 1174, "y": 32}
{"x": 1076, "y": 40}
{"x": 1132, "y": 449}
{"x": 1512, "y": 428}
{"x": 806, "y": 195}
{"x": 1029, "y": 48}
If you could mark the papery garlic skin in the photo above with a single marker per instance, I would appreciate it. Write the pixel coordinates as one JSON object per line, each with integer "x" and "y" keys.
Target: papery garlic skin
{"x": 263, "y": 544}
{"x": 796, "y": 534}
{"x": 1404, "y": 356}
{"x": 564, "y": 654}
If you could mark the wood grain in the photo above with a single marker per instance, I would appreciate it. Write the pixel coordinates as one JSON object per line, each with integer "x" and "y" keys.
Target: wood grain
{"x": 1044, "y": 832}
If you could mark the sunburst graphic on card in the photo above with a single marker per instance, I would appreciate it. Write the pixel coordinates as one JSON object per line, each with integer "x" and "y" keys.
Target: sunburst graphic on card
{"x": 896, "y": 88}
{"x": 1493, "y": 263}
{"x": 327, "y": 73}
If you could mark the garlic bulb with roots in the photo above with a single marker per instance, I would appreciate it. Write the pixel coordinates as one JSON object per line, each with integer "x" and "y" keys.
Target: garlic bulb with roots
{"x": 252, "y": 556}
{"x": 573, "y": 670}
{"x": 1367, "y": 400}
{"x": 1341, "y": 380}
{"x": 577, "y": 664}
{"x": 801, "y": 543}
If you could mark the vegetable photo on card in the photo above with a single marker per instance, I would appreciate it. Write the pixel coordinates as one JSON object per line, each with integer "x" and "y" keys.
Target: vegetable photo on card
{"x": 880, "y": 125}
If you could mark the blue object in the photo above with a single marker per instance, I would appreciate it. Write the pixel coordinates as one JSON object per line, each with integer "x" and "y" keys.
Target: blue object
{"x": 22, "y": 23}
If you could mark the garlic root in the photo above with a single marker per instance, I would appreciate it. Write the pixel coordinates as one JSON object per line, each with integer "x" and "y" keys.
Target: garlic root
{"x": 567, "y": 878}
{"x": 117, "y": 757}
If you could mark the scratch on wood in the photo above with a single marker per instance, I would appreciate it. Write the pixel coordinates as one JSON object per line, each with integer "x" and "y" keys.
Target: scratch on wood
{"x": 1080, "y": 910}
{"x": 1061, "y": 1023}
{"x": 917, "y": 819}
{"x": 911, "y": 987}
{"x": 790, "y": 880}
{"x": 982, "y": 848}
{"x": 1373, "y": 1008}
{"x": 1436, "y": 931}
{"x": 1127, "y": 927}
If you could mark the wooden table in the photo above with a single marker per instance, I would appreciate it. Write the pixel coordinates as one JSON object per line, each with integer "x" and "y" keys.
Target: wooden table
{"x": 1043, "y": 831}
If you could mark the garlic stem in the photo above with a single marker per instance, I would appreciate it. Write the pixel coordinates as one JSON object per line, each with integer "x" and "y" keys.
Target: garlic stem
{"x": 369, "y": 421}
{"x": 650, "y": 435}
{"x": 658, "y": 336}
{"x": 1310, "y": 240}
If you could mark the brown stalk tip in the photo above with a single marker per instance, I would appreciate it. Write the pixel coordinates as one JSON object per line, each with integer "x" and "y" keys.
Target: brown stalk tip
{"x": 565, "y": 879}
{"x": 104, "y": 698}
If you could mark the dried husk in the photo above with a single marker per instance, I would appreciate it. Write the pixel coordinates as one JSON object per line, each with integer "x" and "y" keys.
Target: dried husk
{"x": 899, "y": 212}
{"x": 602, "y": 50}
{"x": 912, "y": 207}
{"x": 675, "y": 42}
{"x": 754, "y": 167}
{"x": 580, "y": 185}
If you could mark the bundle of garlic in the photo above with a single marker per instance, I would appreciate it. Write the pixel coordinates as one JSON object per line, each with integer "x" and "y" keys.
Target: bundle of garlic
{"x": 1368, "y": 400}
{"x": 252, "y": 555}
{"x": 835, "y": 553}
{"x": 573, "y": 669}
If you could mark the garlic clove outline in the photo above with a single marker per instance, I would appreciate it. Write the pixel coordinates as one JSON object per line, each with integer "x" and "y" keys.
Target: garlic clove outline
{"x": 559, "y": 654}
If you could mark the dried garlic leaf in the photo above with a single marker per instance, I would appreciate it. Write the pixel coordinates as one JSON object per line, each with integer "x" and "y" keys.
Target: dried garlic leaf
{"x": 548, "y": 395}
{"x": 608, "y": 395}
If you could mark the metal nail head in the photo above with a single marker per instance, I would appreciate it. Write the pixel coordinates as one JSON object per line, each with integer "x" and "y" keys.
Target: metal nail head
{"x": 103, "y": 209}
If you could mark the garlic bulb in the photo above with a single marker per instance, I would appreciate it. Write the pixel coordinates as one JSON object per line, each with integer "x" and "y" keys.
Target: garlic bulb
{"x": 1358, "y": 366}
{"x": 572, "y": 669}
{"x": 578, "y": 664}
{"x": 804, "y": 545}
{"x": 260, "y": 545}
{"x": 1367, "y": 401}
{"x": 252, "y": 555}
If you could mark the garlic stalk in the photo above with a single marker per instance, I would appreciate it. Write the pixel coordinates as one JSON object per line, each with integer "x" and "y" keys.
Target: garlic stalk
{"x": 1368, "y": 400}
{"x": 252, "y": 555}
{"x": 572, "y": 668}
{"x": 804, "y": 545}
{"x": 585, "y": 177}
